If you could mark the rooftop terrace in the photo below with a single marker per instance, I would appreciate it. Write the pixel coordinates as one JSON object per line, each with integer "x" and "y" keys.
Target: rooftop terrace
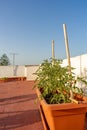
{"x": 18, "y": 110}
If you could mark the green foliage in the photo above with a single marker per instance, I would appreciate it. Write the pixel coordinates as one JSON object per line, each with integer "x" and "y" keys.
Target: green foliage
{"x": 55, "y": 82}
{"x": 4, "y": 60}
{"x": 4, "y": 78}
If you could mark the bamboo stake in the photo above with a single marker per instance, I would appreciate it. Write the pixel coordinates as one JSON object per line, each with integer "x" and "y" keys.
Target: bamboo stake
{"x": 68, "y": 55}
{"x": 67, "y": 47}
{"x": 73, "y": 100}
{"x": 78, "y": 102}
{"x": 53, "y": 53}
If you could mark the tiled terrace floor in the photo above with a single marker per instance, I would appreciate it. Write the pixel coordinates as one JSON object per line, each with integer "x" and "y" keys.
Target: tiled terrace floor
{"x": 18, "y": 110}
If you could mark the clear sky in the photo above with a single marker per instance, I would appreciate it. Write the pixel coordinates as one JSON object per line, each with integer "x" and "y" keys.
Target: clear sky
{"x": 27, "y": 28}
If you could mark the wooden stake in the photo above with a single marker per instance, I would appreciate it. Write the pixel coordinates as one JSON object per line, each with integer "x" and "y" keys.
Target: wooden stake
{"x": 53, "y": 54}
{"x": 73, "y": 100}
{"x": 67, "y": 47}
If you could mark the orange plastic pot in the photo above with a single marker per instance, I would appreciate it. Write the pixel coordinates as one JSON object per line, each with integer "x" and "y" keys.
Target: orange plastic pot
{"x": 67, "y": 116}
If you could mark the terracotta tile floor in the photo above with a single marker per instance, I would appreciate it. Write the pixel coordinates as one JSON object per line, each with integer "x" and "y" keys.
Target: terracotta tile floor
{"x": 18, "y": 110}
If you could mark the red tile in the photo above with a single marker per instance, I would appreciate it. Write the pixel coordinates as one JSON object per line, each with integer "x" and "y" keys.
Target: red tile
{"x": 18, "y": 110}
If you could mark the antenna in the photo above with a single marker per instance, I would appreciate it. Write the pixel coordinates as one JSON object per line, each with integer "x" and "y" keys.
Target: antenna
{"x": 13, "y": 54}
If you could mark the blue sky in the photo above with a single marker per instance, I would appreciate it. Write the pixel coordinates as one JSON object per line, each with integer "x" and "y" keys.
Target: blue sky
{"x": 27, "y": 28}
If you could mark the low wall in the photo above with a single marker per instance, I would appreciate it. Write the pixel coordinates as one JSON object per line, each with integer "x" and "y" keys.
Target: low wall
{"x": 10, "y": 71}
{"x": 30, "y": 70}
{"x": 78, "y": 62}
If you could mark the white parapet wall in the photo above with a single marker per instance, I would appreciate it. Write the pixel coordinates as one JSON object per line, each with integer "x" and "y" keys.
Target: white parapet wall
{"x": 78, "y": 62}
{"x": 10, "y": 71}
{"x": 30, "y": 72}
